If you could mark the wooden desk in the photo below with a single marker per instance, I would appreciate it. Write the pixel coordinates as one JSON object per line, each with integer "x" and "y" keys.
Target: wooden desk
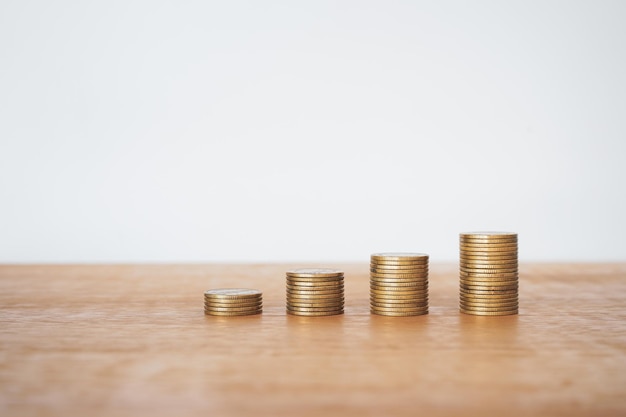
{"x": 133, "y": 340}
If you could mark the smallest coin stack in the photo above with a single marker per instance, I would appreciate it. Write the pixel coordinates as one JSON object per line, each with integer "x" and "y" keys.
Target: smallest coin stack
{"x": 315, "y": 292}
{"x": 233, "y": 302}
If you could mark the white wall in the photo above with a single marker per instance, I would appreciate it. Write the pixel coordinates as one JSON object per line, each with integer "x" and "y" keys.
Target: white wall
{"x": 320, "y": 130}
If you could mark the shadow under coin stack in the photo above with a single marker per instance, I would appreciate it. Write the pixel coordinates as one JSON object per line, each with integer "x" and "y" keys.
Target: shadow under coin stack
{"x": 399, "y": 284}
{"x": 315, "y": 292}
{"x": 233, "y": 302}
{"x": 488, "y": 273}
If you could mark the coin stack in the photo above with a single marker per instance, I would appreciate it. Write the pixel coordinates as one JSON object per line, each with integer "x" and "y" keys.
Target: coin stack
{"x": 488, "y": 273}
{"x": 399, "y": 284}
{"x": 233, "y": 302}
{"x": 315, "y": 292}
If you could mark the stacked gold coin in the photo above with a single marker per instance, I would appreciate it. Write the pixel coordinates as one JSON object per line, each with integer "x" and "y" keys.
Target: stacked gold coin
{"x": 399, "y": 284}
{"x": 233, "y": 302}
{"x": 488, "y": 273}
{"x": 315, "y": 292}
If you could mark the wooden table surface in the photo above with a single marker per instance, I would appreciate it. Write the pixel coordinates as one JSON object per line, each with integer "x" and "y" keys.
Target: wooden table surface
{"x": 133, "y": 340}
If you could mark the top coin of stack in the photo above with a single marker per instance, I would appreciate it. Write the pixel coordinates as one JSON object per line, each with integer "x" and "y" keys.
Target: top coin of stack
{"x": 399, "y": 284}
{"x": 488, "y": 273}
{"x": 315, "y": 292}
{"x": 233, "y": 302}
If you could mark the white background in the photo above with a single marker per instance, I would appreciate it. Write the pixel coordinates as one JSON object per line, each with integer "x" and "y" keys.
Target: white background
{"x": 322, "y": 130}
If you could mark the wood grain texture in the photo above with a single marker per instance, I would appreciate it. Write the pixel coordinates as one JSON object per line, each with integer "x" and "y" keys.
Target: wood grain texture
{"x": 133, "y": 340}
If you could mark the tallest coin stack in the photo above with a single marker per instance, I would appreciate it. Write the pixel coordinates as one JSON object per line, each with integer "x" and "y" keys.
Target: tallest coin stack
{"x": 488, "y": 273}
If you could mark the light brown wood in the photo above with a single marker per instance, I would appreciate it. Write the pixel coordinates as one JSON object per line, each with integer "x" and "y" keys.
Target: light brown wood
{"x": 133, "y": 340}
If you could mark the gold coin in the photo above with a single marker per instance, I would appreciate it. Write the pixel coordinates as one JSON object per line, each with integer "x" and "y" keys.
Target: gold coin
{"x": 315, "y": 313}
{"x": 490, "y": 244}
{"x": 422, "y": 269}
{"x": 474, "y": 274}
{"x": 399, "y": 264}
{"x": 400, "y": 297}
{"x": 398, "y": 290}
{"x": 417, "y": 304}
{"x": 485, "y": 313}
{"x": 399, "y": 256}
{"x": 393, "y": 300}
{"x": 487, "y": 310}
{"x": 229, "y": 293}
{"x": 489, "y": 304}
{"x": 383, "y": 313}
{"x": 234, "y": 309}
{"x": 502, "y": 276}
{"x": 394, "y": 288}
{"x": 507, "y": 263}
{"x": 316, "y": 284}
{"x": 336, "y": 288}
{"x": 407, "y": 285}
{"x": 488, "y": 235}
{"x": 399, "y": 280}
{"x": 314, "y": 290}
{"x": 469, "y": 236}
{"x": 488, "y": 283}
{"x": 314, "y": 304}
{"x": 468, "y": 304}
{"x": 491, "y": 249}
{"x": 497, "y": 251}
{"x": 399, "y": 307}
{"x": 314, "y": 272}
{"x": 232, "y": 313}
{"x": 395, "y": 295}
{"x": 315, "y": 279}
{"x": 399, "y": 302}
{"x": 482, "y": 274}
{"x": 407, "y": 276}
{"x": 314, "y": 297}
{"x": 420, "y": 272}
{"x": 489, "y": 278}
{"x": 233, "y": 300}
{"x": 223, "y": 305}
{"x": 318, "y": 298}
{"x": 401, "y": 267}
{"x": 398, "y": 313}
{"x": 314, "y": 309}
{"x": 488, "y": 298}
{"x": 492, "y": 271}
{"x": 488, "y": 269}
{"x": 490, "y": 294}
{"x": 490, "y": 257}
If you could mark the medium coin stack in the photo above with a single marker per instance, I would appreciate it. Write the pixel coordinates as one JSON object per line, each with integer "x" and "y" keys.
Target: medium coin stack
{"x": 488, "y": 273}
{"x": 233, "y": 302}
{"x": 315, "y": 292}
{"x": 399, "y": 284}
